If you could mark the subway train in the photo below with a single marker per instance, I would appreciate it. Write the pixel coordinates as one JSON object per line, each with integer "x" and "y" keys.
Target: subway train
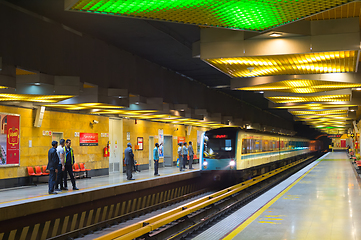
{"x": 239, "y": 149}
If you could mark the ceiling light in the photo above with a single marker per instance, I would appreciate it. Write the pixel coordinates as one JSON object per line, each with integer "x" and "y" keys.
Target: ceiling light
{"x": 275, "y": 34}
{"x": 289, "y": 64}
{"x": 36, "y": 84}
{"x": 256, "y": 15}
{"x": 137, "y": 103}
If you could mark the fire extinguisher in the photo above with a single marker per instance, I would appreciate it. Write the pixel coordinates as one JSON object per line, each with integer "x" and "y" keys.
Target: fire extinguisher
{"x": 106, "y": 152}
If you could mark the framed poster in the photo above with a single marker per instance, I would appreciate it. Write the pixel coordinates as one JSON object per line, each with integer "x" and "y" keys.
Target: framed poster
{"x": 9, "y": 139}
{"x": 88, "y": 139}
{"x": 140, "y": 143}
{"x": 160, "y": 142}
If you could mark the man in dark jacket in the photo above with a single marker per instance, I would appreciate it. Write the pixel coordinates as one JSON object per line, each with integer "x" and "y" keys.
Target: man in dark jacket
{"x": 129, "y": 160}
{"x": 53, "y": 161}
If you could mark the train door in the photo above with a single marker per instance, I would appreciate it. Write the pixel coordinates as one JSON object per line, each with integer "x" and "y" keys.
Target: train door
{"x": 115, "y": 145}
{"x": 151, "y": 147}
{"x": 168, "y": 153}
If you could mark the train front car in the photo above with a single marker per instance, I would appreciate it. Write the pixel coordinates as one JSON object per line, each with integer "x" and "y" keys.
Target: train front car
{"x": 219, "y": 149}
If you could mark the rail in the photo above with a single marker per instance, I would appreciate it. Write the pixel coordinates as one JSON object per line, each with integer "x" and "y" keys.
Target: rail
{"x": 151, "y": 224}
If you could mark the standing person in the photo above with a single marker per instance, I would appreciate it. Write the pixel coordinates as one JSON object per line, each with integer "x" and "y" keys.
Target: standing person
{"x": 69, "y": 161}
{"x": 129, "y": 160}
{"x": 53, "y": 161}
{"x": 61, "y": 166}
{"x": 185, "y": 155}
{"x": 191, "y": 153}
{"x": 156, "y": 159}
{"x": 180, "y": 157}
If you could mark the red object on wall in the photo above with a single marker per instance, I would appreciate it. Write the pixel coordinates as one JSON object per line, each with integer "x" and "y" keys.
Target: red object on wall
{"x": 106, "y": 152}
{"x": 12, "y": 143}
{"x": 181, "y": 139}
{"x": 343, "y": 143}
{"x": 356, "y": 145}
{"x": 88, "y": 139}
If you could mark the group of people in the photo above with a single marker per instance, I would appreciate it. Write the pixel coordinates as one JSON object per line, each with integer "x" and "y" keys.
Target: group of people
{"x": 60, "y": 164}
{"x": 183, "y": 153}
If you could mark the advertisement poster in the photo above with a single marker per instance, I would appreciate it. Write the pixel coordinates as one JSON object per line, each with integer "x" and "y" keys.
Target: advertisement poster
{"x": 140, "y": 143}
{"x": 160, "y": 142}
{"x": 88, "y": 139}
{"x": 9, "y": 139}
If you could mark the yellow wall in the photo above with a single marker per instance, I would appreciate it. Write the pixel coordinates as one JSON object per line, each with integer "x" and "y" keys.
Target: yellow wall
{"x": 67, "y": 123}
{"x": 147, "y": 128}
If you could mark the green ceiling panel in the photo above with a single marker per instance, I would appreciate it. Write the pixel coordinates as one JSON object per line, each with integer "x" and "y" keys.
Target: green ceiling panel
{"x": 257, "y": 15}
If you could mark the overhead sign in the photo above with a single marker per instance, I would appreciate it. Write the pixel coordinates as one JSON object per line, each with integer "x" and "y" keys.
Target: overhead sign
{"x": 334, "y": 135}
{"x": 88, "y": 139}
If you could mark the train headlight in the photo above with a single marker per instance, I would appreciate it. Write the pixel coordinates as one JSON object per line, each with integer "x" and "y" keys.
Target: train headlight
{"x": 205, "y": 163}
{"x": 232, "y": 163}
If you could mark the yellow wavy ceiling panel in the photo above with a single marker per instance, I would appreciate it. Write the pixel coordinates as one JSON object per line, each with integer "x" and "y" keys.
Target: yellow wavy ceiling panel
{"x": 309, "y": 63}
{"x": 303, "y": 99}
{"x": 302, "y": 86}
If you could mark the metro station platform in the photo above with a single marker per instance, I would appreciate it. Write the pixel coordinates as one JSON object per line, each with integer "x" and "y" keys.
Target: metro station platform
{"x": 322, "y": 201}
{"x": 20, "y": 195}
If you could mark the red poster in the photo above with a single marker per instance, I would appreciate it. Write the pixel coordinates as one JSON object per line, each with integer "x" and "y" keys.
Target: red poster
{"x": 88, "y": 139}
{"x": 13, "y": 139}
{"x": 181, "y": 139}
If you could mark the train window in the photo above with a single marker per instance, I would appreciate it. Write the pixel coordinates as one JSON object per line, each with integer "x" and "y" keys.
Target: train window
{"x": 218, "y": 148}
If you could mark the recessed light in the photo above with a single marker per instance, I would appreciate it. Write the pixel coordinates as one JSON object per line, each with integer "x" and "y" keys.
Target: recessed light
{"x": 137, "y": 103}
{"x": 36, "y": 84}
{"x": 275, "y": 34}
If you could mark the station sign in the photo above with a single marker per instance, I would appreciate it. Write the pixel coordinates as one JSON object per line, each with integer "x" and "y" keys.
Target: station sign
{"x": 334, "y": 135}
{"x": 88, "y": 139}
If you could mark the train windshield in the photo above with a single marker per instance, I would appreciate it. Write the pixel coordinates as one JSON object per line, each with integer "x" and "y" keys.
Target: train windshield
{"x": 217, "y": 146}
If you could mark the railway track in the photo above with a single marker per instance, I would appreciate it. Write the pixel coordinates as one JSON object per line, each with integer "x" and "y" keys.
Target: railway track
{"x": 189, "y": 219}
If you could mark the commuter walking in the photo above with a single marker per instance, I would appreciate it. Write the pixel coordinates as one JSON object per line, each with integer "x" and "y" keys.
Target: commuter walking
{"x": 53, "y": 161}
{"x": 69, "y": 162}
{"x": 180, "y": 157}
{"x": 156, "y": 159}
{"x": 129, "y": 160}
{"x": 185, "y": 155}
{"x": 61, "y": 166}
{"x": 190, "y": 153}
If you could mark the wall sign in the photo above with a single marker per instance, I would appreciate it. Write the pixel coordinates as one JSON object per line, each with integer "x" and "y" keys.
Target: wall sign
{"x": 181, "y": 140}
{"x": 140, "y": 143}
{"x": 9, "y": 139}
{"x": 88, "y": 139}
{"x": 160, "y": 142}
{"x": 128, "y": 136}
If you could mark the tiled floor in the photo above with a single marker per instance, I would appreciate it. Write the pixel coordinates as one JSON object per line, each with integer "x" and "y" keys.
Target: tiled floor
{"x": 324, "y": 204}
{"x": 21, "y": 194}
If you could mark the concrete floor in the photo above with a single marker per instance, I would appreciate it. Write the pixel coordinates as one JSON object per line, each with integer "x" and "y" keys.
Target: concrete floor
{"x": 33, "y": 193}
{"x": 324, "y": 203}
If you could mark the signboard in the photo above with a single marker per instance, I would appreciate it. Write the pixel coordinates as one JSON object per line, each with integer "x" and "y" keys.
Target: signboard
{"x": 140, "y": 143}
{"x": 181, "y": 140}
{"x": 334, "y": 135}
{"x": 11, "y": 125}
{"x": 88, "y": 139}
{"x": 160, "y": 142}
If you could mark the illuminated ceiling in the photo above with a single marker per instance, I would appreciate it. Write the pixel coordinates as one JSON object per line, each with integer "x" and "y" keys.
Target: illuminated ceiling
{"x": 303, "y": 99}
{"x": 20, "y": 71}
{"x": 302, "y": 86}
{"x": 318, "y": 112}
{"x": 255, "y": 15}
{"x": 33, "y": 98}
{"x": 290, "y": 64}
{"x": 84, "y": 106}
{"x": 315, "y": 106}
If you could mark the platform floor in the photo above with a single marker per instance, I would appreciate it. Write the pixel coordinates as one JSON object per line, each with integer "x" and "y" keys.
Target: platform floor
{"x": 23, "y": 194}
{"x": 322, "y": 201}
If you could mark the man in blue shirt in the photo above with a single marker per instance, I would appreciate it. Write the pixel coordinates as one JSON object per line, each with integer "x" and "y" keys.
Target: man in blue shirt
{"x": 156, "y": 159}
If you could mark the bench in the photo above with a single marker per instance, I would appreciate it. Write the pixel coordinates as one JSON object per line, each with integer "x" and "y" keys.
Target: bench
{"x": 80, "y": 170}
{"x": 37, "y": 174}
